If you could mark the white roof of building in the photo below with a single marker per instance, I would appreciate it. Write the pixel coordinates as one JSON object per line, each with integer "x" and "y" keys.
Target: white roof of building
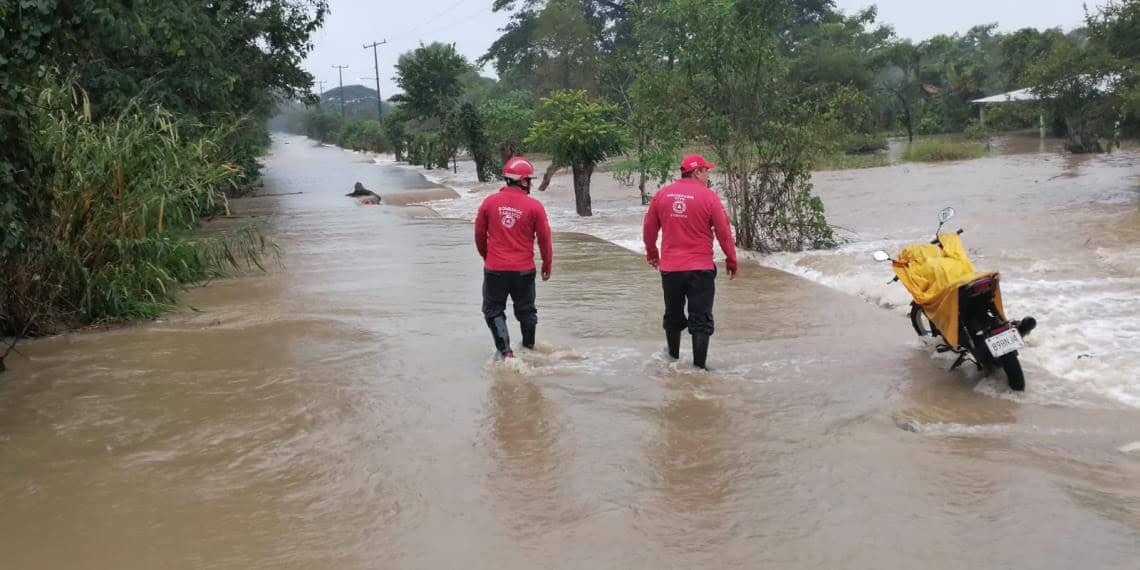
{"x": 1011, "y": 97}
{"x": 1105, "y": 85}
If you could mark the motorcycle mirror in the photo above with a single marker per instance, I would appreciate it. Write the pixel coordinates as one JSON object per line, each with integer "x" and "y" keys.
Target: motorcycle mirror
{"x": 881, "y": 256}
{"x": 946, "y": 214}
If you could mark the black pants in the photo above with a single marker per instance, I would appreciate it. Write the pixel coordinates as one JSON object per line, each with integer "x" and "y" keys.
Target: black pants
{"x": 518, "y": 285}
{"x": 698, "y": 288}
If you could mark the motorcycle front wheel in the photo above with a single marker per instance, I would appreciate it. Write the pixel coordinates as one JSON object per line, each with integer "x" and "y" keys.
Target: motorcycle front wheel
{"x": 1013, "y": 372}
{"x": 919, "y": 321}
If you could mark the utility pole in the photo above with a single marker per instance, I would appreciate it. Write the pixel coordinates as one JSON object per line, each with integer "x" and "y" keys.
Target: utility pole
{"x": 376, "y": 65}
{"x": 321, "y": 94}
{"x": 340, "y": 73}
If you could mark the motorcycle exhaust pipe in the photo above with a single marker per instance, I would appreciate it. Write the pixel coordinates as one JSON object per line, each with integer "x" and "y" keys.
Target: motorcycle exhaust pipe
{"x": 1026, "y": 326}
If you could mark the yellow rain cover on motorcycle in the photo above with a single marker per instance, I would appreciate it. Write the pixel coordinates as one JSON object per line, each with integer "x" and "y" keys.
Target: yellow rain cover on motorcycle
{"x": 933, "y": 275}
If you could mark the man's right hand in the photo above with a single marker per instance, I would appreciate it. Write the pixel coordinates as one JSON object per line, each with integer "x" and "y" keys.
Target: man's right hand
{"x": 654, "y": 263}
{"x": 732, "y": 273}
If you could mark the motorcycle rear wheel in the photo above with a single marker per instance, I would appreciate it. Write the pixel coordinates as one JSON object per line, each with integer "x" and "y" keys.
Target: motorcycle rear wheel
{"x": 1012, "y": 367}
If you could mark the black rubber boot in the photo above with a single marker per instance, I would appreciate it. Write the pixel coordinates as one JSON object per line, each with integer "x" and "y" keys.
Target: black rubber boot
{"x": 528, "y": 331}
{"x": 700, "y": 349}
{"x": 502, "y": 336}
{"x": 674, "y": 340}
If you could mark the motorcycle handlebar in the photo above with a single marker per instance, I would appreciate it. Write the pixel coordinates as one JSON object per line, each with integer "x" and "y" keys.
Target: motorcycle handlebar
{"x": 935, "y": 240}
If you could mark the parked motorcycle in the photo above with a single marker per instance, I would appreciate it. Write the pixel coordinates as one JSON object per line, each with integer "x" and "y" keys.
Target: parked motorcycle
{"x": 953, "y": 301}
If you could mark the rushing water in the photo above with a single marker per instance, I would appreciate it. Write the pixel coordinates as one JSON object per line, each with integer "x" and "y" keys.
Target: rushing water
{"x": 345, "y": 411}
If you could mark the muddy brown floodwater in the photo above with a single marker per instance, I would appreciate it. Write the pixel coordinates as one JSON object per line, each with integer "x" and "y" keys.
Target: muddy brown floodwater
{"x": 344, "y": 411}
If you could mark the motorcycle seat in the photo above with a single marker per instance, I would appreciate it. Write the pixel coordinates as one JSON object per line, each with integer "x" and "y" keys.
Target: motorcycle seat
{"x": 977, "y": 287}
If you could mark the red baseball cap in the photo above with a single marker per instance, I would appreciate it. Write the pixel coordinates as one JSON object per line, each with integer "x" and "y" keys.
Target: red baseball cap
{"x": 695, "y": 161}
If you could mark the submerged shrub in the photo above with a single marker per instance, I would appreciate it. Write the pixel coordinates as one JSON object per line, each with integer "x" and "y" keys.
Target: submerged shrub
{"x": 939, "y": 150}
{"x": 862, "y": 143}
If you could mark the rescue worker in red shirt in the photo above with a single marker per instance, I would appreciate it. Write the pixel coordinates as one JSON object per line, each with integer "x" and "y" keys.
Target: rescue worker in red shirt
{"x": 688, "y": 214}
{"x": 508, "y": 223}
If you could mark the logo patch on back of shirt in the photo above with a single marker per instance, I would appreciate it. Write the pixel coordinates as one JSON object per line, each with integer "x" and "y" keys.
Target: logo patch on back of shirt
{"x": 679, "y": 205}
{"x": 509, "y": 216}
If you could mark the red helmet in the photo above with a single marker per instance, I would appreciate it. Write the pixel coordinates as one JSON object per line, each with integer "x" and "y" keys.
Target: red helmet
{"x": 518, "y": 168}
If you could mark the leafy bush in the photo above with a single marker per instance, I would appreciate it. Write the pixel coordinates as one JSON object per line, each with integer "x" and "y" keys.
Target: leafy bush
{"x": 362, "y": 135}
{"x": 322, "y": 124}
{"x": 976, "y": 131}
{"x": 106, "y": 231}
{"x": 929, "y": 125}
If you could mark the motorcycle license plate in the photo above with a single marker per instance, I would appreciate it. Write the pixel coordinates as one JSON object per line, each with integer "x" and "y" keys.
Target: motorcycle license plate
{"x": 1004, "y": 343}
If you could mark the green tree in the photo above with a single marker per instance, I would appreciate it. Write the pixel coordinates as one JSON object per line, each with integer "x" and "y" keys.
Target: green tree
{"x": 506, "y": 122}
{"x": 841, "y": 50}
{"x": 728, "y": 75}
{"x": 656, "y": 129}
{"x": 899, "y": 78}
{"x": 475, "y": 139}
{"x": 578, "y": 132}
{"x": 395, "y": 131}
{"x": 1020, "y": 49}
{"x": 558, "y": 44}
{"x": 1082, "y": 85}
{"x": 1116, "y": 29}
{"x": 431, "y": 78}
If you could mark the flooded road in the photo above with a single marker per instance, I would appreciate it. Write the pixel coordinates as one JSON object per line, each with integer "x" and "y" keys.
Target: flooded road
{"x": 344, "y": 411}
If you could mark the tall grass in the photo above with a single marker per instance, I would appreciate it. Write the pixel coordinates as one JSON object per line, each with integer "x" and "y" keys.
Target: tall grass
{"x": 108, "y": 228}
{"x": 934, "y": 150}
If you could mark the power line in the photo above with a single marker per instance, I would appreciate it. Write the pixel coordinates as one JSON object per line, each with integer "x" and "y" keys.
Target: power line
{"x": 461, "y": 20}
{"x": 409, "y": 33}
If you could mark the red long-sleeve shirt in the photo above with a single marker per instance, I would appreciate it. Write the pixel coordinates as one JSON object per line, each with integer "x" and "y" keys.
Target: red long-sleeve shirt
{"x": 505, "y": 230}
{"x": 687, "y": 214}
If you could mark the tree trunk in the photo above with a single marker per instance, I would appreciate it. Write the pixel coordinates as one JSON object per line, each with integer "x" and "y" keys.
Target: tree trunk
{"x": 641, "y": 187}
{"x": 1080, "y": 140}
{"x": 550, "y": 172}
{"x": 508, "y": 151}
{"x": 740, "y": 203}
{"x": 907, "y": 117}
{"x": 482, "y": 170}
{"x": 582, "y": 174}
{"x": 644, "y": 176}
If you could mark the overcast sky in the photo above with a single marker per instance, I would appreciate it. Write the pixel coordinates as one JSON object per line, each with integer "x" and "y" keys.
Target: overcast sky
{"x": 472, "y": 26}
